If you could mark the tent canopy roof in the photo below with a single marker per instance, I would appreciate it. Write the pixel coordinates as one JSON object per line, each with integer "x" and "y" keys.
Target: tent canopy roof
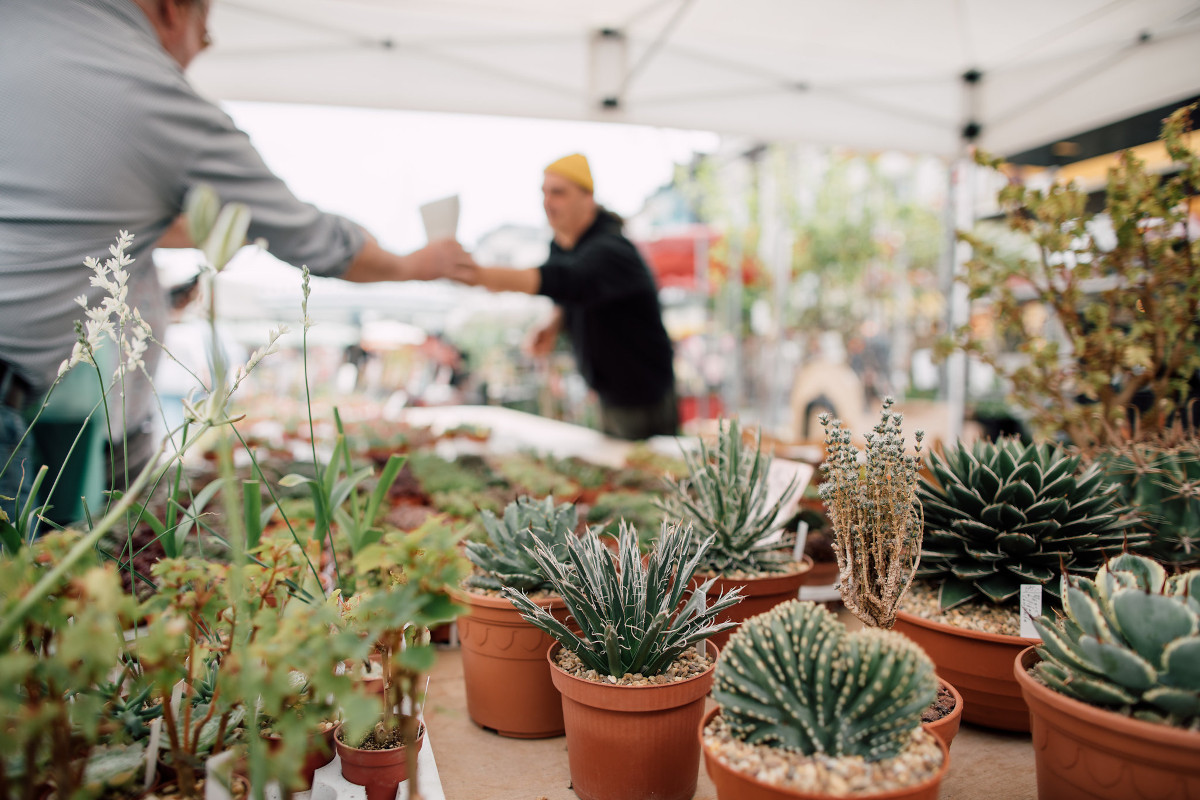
{"x": 868, "y": 74}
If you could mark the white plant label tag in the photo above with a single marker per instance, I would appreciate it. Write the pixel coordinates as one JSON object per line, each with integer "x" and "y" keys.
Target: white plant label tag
{"x": 801, "y": 537}
{"x": 1031, "y": 609}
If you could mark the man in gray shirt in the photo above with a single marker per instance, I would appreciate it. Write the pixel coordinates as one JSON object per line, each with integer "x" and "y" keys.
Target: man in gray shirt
{"x": 99, "y": 132}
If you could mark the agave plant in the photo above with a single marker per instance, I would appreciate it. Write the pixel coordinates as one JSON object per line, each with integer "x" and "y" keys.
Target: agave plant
{"x": 795, "y": 679}
{"x": 1000, "y": 514}
{"x": 1160, "y": 478}
{"x": 632, "y": 616}
{"x": 725, "y": 499}
{"x": 506, "y": 559}
{"x": 1128, "y": 641}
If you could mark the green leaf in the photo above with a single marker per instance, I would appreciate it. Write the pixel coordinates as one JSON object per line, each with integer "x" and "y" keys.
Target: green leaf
{"x": 999, "y": 588}
{"x": 1179, "y": 702}
{"x": 954, "y": 593}
{"x": 1119, "y": 664}
{"x": 1151, "y": 621}
{"x": 294, "y": 479}
{"x": 1181, "y": 663}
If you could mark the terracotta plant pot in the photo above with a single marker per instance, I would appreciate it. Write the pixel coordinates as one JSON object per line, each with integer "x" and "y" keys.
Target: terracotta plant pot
{"x": 823, "y": 573}
{"x": 759, "y": 595}
{"x": 980, "y": 667}
{"x": 504, "y": 668}
{"x": 380, "y": 771}
{"x": 318, "y": 753}
{"x": 632, "y": 742}
{"x": 1081, "y": 751}
{"x": 947, "y": 727}
{"x": 734, "y": 785}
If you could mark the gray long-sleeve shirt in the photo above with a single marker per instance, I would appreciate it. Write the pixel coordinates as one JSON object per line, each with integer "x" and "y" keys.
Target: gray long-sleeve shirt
{"x": 100, "y": 132}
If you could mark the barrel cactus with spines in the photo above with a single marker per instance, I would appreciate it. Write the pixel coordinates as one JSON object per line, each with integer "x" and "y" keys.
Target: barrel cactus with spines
{"x": 505, "y": 558}
{"x": 1129, "y": 641}
{"x": 795, "y": 679}
{"x": 1160, "y": 478}
{"x": 1002, "y": 514}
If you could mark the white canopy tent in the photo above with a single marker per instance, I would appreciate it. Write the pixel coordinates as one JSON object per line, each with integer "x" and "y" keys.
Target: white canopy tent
{"x": 872, "y": 74}
{"x": 924, "y": 76}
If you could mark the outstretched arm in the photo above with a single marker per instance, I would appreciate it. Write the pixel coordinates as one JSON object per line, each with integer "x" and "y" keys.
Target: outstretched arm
{"x": 373, "y": 263}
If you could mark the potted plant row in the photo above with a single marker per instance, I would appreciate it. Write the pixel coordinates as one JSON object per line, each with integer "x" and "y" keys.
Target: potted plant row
{"x": 634, "y": 675}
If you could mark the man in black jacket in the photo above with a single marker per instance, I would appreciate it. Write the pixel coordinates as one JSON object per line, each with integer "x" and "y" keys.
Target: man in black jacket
{"x": 606, "y": 302}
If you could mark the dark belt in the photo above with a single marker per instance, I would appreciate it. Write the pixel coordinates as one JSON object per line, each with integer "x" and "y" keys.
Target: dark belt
{"x": 14, "y": 390}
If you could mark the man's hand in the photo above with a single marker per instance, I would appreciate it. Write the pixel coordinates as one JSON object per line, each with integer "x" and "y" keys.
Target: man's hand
{"x": 437, "y": 259}
{"x": 542, "y": 340}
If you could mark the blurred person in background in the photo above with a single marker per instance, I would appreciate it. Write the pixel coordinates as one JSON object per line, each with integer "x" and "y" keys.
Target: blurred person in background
{"x": 606, "y": 302}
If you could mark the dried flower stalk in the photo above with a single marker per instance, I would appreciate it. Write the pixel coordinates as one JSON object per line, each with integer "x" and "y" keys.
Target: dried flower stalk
{"x": 877, "y": 519}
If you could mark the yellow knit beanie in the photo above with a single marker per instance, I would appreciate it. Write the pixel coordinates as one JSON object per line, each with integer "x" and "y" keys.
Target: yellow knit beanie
{"x": 574, "y": 168}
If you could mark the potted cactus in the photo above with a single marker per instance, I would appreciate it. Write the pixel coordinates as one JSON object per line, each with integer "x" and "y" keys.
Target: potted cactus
{"x": 877, "y": 521}
{"x": 634, "y": 676}
{"x": 504, "y": 657}
{"x": 1159, "y": 476}
{"x": 1114, "y": 689}
{"x": 999, "y": 515}
{"x": 807, "y": 709}
{"x": 725, "y": 499}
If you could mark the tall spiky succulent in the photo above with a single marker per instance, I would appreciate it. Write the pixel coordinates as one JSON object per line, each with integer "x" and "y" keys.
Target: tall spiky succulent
{"x": 794, "y": 678}
{"x": 632, "y": 616}
{"x": 505, "y": 557}
{"x": 725, "y": 498}
{"x": 1128, "y": 641}
{"x": 1160, "y": 478}
{"x": 1000, "y": 514}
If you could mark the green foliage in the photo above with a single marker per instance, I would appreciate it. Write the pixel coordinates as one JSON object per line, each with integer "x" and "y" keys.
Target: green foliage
{"x": 536, "y": 476}
{"x": 640, "y": 509}
{"x": 506, "y": 558}
{"x": 875, "y": 515}
{"x": 1160, "y": 478}
{"x": 1126, "y": 307}
{"x": 795, "y": 679}
{"x": 1129, "y": 641}
{"x": 725, "y": 499}
{"x": 54, "y": 671}
{"x": 403, "y": 584}
{"x": 632, "y": 617}
{"x": 1000, "y": 514}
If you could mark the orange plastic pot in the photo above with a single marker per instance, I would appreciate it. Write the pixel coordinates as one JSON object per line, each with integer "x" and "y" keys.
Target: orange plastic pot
{"x": 632, "y": 742}
{"x": 947, "y": 727}
{"x": 380, "y": 772}
{"x": 318, "y": 753}
{"x": 1084, "y": 752}
{"x": 734, "y": 785}
{"x": 980, "y": 667}
{"x": 507, "y": 678}
{"x": 759, "y": 595}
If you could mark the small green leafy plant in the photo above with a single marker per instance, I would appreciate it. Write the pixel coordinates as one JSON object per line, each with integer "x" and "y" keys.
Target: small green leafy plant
{"x": 795, "y": 679}
{"x": 632, "y": 618}
{"x": 1128, "y": 641}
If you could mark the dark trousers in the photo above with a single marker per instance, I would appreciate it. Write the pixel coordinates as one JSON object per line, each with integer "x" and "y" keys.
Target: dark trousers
{"x": 641, "y": 422}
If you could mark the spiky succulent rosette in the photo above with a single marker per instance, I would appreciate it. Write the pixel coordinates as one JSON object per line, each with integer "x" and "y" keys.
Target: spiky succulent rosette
{"x": 1002, "y": 514}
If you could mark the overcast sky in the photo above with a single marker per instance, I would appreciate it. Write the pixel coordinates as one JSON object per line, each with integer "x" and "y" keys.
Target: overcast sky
{"x": 377, "y": 167}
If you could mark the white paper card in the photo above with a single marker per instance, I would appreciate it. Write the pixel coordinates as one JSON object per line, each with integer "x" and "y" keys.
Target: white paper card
{"x": 441, "y": 218}
{"x": 1031, "y": 609}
